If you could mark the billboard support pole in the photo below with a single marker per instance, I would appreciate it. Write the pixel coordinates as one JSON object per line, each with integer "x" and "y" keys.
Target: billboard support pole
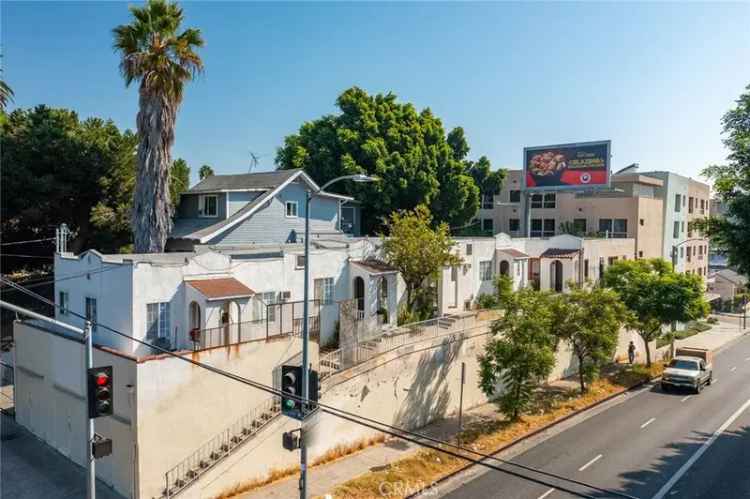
{"x": 526, "y": 213}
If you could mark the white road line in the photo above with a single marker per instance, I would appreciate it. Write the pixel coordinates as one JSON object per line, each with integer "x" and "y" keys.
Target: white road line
{"x": 590, "y": 463}
{"x": 546, "y": 494}
{"x": 685, "y": 467}
{"x": 647, "y": 423}
{"x": 685, "y": 399}
{"x": 733, "y": 369}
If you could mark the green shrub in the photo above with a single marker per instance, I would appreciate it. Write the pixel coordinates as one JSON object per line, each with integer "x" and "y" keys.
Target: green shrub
{"x": 486, "y": 301}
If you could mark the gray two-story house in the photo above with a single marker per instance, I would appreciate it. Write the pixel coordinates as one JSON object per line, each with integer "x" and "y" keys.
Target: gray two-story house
{"x": 257, "y": 208}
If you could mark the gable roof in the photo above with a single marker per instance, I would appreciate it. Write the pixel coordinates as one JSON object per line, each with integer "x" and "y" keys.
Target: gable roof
{"x": 222, "y": 288}
{"x": 514, "y": 253}
{"x": 244, "y": 181}
{"x": 196, "y": 230}
{"x": 732, "y": 276}
{"x": 559, "y": 253}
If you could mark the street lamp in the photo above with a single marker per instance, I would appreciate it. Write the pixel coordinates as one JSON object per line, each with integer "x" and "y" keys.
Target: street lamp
{"x": 360, "y": 178}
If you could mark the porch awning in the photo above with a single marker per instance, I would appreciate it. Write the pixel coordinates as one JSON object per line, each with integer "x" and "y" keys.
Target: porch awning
{"x": 374, "y": 266}
{"x": 709, "y": 297}
{"x": 517, "y": 255}
{"x": 559, "y": 253}
{"x": 221, "y": 289}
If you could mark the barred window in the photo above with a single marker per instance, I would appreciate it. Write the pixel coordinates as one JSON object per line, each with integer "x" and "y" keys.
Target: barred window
{"x": 323, "y": 290}
{"x": 485, "y": 270}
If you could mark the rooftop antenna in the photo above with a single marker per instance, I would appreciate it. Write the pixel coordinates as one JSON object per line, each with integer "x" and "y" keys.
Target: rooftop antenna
{"x": 254, "y": 160}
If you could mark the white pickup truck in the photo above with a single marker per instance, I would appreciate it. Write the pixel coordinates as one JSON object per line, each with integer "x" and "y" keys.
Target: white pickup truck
{"x": 690, "y": 368}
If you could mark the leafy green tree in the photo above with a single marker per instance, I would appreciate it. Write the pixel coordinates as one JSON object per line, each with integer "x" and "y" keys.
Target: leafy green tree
{"x": 731, "y": 232}
{"x": 656, "y": 296}
{"x": 417, "y": 250}
{"x": 205, "y": 171}
{"x": 521, "y": 352}
{"x": 162, "y": 59}
{"x": 407, "y": 149}
{"x": 503, "y": 289}
{"x": 179, "y": 176}
{"x": 593, "y": 341}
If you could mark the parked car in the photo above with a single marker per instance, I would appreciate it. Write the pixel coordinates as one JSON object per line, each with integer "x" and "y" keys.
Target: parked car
{"x": 690, "y": 368}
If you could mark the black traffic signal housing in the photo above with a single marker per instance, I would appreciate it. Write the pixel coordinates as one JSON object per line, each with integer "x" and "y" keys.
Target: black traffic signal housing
{"x": 313, "y": 393}
{"x": 291, "y": 384}
{"x": 100, "y": 391}
{"x": 290, "y": 440}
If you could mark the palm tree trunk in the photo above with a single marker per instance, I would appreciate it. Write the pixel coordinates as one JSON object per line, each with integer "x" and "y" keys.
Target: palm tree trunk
{"x": 152, "y": 208}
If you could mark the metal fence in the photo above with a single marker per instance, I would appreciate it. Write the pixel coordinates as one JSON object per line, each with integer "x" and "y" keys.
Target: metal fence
{"x": 6, "y": 386}
{"x": 276, "y": 319}
{"x": 221, "y": 445}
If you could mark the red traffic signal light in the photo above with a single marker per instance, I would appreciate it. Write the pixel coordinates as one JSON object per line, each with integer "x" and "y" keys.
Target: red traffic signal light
{"x": 100, "y": 391}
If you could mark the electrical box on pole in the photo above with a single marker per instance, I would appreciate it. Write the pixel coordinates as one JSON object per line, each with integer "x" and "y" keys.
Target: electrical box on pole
{"x": 101, "y": 446}
{"x": 100, "y": 392}
{"x": 290, "y": 440}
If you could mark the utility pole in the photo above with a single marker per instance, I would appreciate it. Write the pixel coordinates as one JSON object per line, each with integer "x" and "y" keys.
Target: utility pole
{"x": 305, "y": 361}
{"x": 90, "y": 466}
{"x": 461, "y": 402}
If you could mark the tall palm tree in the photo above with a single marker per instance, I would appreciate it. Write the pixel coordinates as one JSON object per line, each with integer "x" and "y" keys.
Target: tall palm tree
{"x": 159, "y": 57}
{"x": 6, "y": 93}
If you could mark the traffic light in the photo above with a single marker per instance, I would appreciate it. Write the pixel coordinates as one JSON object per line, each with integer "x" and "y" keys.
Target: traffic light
{"x": 100, "y": 396}
{"x": 291, "y": 384}
{"x": 313, "y": 393}
{"x": 290, "y": 440}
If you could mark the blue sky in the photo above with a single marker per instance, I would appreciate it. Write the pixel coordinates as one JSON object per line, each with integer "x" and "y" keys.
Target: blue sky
{"x": 653, "y": 78}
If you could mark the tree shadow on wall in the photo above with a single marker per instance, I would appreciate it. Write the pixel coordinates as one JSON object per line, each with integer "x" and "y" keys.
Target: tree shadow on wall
{"x": 428, "y": 395}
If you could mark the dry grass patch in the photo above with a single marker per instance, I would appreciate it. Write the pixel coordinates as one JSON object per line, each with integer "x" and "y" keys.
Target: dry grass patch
{"x": 343, "y": 450}
{"x": 273, "y": 475}
{"x": 489, "y": 435}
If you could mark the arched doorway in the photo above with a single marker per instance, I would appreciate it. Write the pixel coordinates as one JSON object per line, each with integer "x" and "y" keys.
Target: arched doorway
{"x": 556, "y": 275}
{"x": 359, "y": 296}
{"x": 504, "y": 267}
{"x": 229, "y": 320}
{"x": 195, "y": 321}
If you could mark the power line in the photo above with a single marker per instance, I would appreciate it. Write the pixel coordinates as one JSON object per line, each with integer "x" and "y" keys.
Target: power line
{"x": 76, "y": 275}
{"x": 412, "y": 436}
{"x": 14, "y": 255}
{"x": 28, "y": 241}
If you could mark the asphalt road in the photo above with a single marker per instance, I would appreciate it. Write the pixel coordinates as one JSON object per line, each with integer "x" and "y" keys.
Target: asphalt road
{"x": 653, "y": 445}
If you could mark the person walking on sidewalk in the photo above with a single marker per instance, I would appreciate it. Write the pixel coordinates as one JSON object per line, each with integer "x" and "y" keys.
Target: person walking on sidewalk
{"x": 631, "y": 352}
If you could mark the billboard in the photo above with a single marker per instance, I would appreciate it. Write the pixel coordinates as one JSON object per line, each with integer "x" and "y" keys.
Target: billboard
{"x": 583, "y": 165}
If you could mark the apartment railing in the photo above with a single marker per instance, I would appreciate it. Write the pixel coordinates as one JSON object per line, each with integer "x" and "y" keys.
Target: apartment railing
{"x": 190, "y": 469}
{"x": 364, "y": 350}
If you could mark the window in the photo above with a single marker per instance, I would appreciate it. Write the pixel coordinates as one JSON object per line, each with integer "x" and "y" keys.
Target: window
{"x": 676, "y": 231}
{"x": 703, "y": 206}
{"x": 268, "y": 312}
{"x": 549, "y": 227}
{"x": 536, "y": 227}
{"x": 682, "y": 251}
{"x": 536, "y": 200}
{"x": 611, "y": 260}
{"x": 620, "y": 227}
{"x": 642, "y": 222}
{"x": 677, "y": 203}
{"x": 91, "y": 311}
{"x": 586, "y": 268}
{"x": 208, "y": 206}
{"x": 640, "y": 254}
{"x": 487, "y": 224}
{"x": 579, "y": 225}
{"x": 515, "y": 196}
{"x": 683, "y": 226}
{"x": 469, "y": 249}
{"x": 488, "y": 201}
{"x": 601, "y": 268}
{"x": 549, "y": 200}
{"x": 323, "y": 290}
{"x": 514, "y": 225}
{"x": 690, "y": 204}
{"x": 291, "y": 209}
{"x": 63, "y": 302}
{"x": 300, "y": 261}
{"x": 605, "y": 225}
{"x": 485, "y": 271}
{"x": 157, "y": 320}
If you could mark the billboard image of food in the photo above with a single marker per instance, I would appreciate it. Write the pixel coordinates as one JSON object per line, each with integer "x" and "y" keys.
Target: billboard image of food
{"x": 567, "y": 166}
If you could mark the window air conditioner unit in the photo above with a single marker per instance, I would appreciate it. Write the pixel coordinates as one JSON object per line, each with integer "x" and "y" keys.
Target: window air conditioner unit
{"x": 286, "y": 295}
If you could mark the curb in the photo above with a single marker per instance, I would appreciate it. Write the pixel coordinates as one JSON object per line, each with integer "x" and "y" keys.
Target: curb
{"x": 537, "y": 432}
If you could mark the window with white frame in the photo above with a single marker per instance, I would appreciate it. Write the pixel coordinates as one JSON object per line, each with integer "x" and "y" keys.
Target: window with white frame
{"x": 291, "y": 209}
{"x": 488, "y": 200}
{"x": 208, "y": 205}
{"x": 323, "y": 290}
{"x": 63, "y": 302}
{"x": 300, "y": 261}
{"x": 91, "y": 314}
{"x": 485, "y": 270}
{"x": 268, "y": 310}
{"x": 157, "y": 320}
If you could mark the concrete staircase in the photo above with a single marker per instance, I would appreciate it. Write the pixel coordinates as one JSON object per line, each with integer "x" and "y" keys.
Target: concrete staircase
{"x": 189, "y": 470}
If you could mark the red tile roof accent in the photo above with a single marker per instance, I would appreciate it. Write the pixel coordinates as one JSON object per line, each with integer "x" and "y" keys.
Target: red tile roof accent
{"x": 559, "y": 253}
{"x": 225, "y": 287}
{"x": 513, "y": 252}
{"x": 375, "y": 266}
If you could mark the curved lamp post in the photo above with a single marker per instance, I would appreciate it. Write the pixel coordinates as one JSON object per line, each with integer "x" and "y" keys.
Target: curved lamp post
{"x": 361, "y": 178}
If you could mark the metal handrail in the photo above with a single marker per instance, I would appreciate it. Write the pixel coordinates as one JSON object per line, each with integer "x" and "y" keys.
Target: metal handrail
{"x": 219, "y": 446}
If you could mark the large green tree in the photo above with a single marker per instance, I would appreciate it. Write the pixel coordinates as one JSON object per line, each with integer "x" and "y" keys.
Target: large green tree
{"x": 731, "y": 232}
{"x": 205, "y": 171}
{"x": 417, "y": 249}
{"x": 155, "y": 53}
{"x": 656, "y": 295}
{"x": 593, "y": 341}
{"x": 406, "y": 148}
{"x": 521, "y": 352}
{"x": 6, "y": 93}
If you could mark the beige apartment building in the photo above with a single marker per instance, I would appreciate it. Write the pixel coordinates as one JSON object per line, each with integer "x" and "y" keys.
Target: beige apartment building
{"x": 655, "y": 209}
{"x": 630, "y": 209}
